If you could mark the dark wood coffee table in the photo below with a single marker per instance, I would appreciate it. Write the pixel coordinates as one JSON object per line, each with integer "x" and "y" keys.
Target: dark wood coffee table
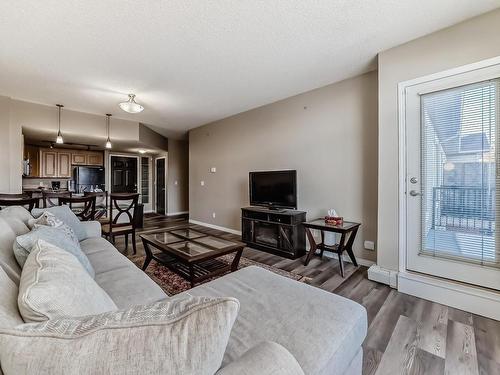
{"x": 191, "y": 253}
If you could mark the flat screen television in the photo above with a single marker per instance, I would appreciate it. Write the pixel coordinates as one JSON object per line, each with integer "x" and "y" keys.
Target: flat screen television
{"x": 273, "y": 189}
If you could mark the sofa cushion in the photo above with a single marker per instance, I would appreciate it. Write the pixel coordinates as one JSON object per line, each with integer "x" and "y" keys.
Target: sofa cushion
{"x": 54, "y": 283}
{"x": 123, "y": 281}
{"x": 57, "y": 236}
{"x": 179, "y": 336}
{"x": 274, "y": 308}
{"x": 64, "y": 214}
{"x": 266, "y": 358}
{"x": 9, "y": 313}
{"x": 13, "y": 222}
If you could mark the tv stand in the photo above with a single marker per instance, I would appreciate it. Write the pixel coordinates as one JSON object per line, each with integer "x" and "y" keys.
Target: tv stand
{"x": 276, "y": 231}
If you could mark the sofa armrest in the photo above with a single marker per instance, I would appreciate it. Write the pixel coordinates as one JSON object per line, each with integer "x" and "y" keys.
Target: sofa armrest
{"x": 91, "y": 229}
{"x": 266, "y": 358}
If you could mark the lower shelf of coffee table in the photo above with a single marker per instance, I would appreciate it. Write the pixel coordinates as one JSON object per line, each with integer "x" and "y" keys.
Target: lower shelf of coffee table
{"x": 201, "y": 270}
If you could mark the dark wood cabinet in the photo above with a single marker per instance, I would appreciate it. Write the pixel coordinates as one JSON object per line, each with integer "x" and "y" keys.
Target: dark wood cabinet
{"x": 276, "y": 231}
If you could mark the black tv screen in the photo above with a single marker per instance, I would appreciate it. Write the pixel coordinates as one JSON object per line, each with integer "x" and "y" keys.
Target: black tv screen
{"x": 273, "y": 189}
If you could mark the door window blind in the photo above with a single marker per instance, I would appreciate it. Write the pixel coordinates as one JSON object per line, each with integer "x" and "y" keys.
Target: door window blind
{"x": 459, "y": 176}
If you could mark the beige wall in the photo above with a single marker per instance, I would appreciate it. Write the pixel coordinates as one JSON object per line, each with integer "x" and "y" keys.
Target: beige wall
{"x": 11, "y": 149}
{"x": 328, "y": 135}
{"x": 471, "y": 41}
{"x": 177, "y": 171}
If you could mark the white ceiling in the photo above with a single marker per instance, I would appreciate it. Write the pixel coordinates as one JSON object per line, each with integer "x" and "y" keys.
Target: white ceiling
{"x": 192, "y": 62}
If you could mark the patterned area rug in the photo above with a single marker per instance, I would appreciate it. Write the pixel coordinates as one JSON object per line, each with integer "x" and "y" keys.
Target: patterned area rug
{"x": 172, "y": 284}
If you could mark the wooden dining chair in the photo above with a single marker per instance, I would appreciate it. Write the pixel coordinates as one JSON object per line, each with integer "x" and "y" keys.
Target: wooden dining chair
{"x": 101, "y": 203}
{"x": 51, "y": 198}
{"x": 122, "y": 205}
{"x": 82, "y": 207}
{"x": 18, "y": 200}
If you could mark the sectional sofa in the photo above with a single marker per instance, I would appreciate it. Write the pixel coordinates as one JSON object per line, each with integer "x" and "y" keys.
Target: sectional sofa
{"x": 282, "y": 327}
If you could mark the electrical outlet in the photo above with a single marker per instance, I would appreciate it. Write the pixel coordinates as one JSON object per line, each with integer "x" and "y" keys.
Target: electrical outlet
{"x": 213, "y": 215}
{"x": 202, "y": 183}
{"x": 369, "y": 245}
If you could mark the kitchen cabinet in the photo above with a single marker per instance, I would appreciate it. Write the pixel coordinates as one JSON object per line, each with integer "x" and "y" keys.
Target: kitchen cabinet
{"x": 59, "y": 162}
{"x": 95, "y": 158}
{"x": 63, "y": 164}
{"x": 48, "y": 163}
{"x": 78, "y": 158}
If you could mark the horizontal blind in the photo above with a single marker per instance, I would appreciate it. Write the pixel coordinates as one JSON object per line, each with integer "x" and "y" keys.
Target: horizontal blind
{"x": 458, "y": 173}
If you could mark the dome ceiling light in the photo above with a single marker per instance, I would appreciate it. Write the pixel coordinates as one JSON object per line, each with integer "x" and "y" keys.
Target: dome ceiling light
{"x": 131, "y": 106}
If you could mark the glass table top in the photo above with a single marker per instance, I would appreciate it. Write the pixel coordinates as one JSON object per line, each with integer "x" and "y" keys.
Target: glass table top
{"x": 188, "y": 233}
{"x": 190, "y": 248}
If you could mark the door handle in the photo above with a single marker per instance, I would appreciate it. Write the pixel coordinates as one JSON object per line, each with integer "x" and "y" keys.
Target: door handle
{"x": 414, "y": 193}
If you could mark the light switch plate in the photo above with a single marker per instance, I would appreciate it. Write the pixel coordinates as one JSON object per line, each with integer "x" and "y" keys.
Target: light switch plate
{"x": 202, "y": 183}
{"x": 213, "y": 170}
{"x": 176, "y": 182}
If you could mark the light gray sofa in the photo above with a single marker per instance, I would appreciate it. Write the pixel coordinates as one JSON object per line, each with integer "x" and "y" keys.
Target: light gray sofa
{"x": 279, "y": 319}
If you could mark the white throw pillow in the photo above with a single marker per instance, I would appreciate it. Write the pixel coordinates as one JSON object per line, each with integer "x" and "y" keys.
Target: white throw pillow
{"x": 64, "y": 214}
{"x": 54, "y": 284}
{"x": 181, "y": 335}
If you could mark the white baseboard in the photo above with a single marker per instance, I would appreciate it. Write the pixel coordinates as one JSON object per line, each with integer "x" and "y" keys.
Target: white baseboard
{"x": 361, "y": 261}
{"x": 213, "y": 226}
{"x": 383, "y": 275}
{"x": 177, "y": 213}
{"x": 464, "y": 297}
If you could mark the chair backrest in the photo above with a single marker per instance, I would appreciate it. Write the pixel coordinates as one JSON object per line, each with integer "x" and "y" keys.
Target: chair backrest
{"x": 51, "y": 198}
{"x": 83, "y": 207}
{"x": 124, "y": 204}
{"x": 28, "y": 203}
{"x": 101, "y": 202}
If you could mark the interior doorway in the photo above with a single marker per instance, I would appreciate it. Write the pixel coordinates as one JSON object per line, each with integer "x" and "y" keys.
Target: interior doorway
{"x": 123, "y": 174}
{"x": 161, "y": 190}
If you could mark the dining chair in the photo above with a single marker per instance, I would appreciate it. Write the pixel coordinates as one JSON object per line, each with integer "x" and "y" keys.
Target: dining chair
{"x": 82, "y": 207}
{"x": 18, "y": 200}
{"x": 123, "y": 221}
{"x": 51, "y": 198}
{"x": 101, "y": 203}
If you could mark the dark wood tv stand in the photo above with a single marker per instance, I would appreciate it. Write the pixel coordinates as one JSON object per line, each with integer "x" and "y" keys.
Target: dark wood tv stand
{"x": 275, "y": 231}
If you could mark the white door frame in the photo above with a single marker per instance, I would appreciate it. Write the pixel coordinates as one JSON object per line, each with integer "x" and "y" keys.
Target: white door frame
{"x": 156, "y": 186}
{"x": 474, "y": 299}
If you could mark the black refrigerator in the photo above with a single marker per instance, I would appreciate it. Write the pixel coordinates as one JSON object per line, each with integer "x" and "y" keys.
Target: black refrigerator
{"x": 88, "y": 179}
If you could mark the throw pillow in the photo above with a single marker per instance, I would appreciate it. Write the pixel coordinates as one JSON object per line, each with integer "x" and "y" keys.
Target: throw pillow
{"x": 186, "y": 335}
{"x": 64, "y": 214}
{"x": 54, "y": 284}
{"x": 58, "y": 236}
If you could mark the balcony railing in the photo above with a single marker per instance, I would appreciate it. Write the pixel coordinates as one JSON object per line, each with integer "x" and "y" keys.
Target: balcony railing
{"x": 464, "y": 209}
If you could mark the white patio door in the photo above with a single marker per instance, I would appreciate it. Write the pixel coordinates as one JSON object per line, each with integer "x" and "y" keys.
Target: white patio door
{"x": 452, "y": 180}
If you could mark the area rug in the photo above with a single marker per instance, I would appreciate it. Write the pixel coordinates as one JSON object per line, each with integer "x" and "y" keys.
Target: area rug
{"x": 172, "y": 284}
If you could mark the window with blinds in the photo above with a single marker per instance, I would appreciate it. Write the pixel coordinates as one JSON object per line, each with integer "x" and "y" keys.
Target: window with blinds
{"x": 144, "y": 180}
{"x": 459, "y": 180}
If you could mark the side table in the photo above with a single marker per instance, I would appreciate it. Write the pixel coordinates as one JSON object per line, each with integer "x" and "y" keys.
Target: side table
{"x": 348, "y": 232}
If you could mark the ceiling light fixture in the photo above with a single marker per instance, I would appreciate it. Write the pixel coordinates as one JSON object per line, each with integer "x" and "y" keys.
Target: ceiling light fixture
{"x": 141, "y": 151}
{"x": 59, "y": 138}
{"x": 131, "y": 106}
{"x": 108, "y": 141}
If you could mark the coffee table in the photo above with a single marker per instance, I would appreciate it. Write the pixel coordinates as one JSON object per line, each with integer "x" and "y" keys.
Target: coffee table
{"x": 191, "y": 253}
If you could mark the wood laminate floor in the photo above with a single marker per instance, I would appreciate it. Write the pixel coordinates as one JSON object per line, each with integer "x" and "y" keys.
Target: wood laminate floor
{"x": 406, "y": 334}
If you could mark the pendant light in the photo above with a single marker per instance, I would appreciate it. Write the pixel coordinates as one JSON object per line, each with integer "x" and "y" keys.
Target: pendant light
{"x": 59, "y": 138}
{"x": 131, "y": 106}
{"x": 108, "y": 141}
